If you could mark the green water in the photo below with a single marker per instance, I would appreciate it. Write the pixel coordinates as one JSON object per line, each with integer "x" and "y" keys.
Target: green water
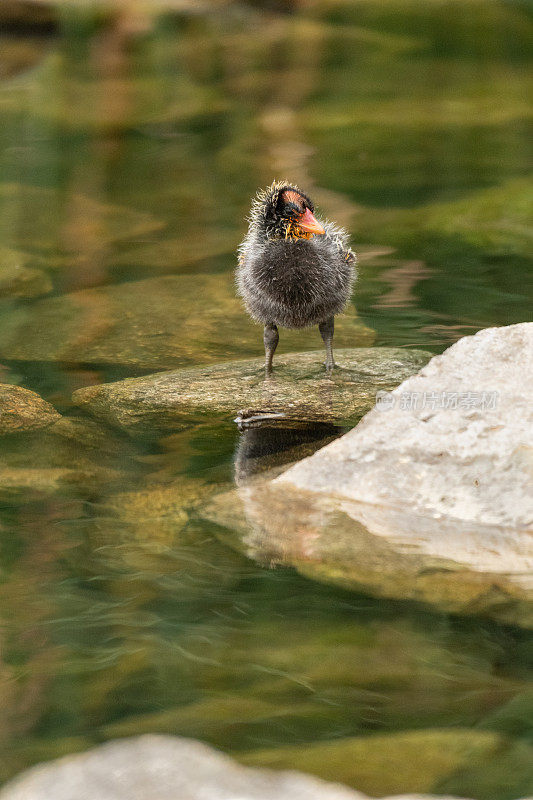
{"x": 130, "y": 147}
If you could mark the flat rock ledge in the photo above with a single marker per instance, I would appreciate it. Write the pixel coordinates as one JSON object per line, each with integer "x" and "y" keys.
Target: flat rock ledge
{"x": 167, "y": 768}
{"x": 298, "y": 390}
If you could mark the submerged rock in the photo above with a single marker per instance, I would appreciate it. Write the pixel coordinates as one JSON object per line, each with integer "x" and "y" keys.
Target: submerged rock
{"x": 149, "y": 531}
{"x": 497, "y": 218}
{"x": 257, "y": 683}
{"x": 48, "y": 221}
{"x": 171, "y": 768}
{"x": 158, "y": 323}
{"x": 453, "y": 442}
{"x": 17, "y": 279}
{"x": 182, "y": 254}
{"x": 88, "y": 435}
{"x": 23, "y": 410}
{"x": 58, "y": 456}
{"x": 300, "y": 389}
{"x": 416, "y": 761}
{"x": 313, "y": 678}
{"x": 228, "y": 718}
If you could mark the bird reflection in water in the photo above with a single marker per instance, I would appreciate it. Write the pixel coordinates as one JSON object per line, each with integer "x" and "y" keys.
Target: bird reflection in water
{"x": 269, "y": 444}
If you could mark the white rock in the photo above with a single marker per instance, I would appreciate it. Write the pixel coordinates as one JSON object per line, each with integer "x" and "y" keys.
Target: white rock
{"x": 455, "y": 441}
{"x": 169, "y": 768}
{"x": 166, "y": 768}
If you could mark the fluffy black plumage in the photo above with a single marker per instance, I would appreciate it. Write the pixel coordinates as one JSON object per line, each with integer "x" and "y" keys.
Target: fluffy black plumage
{"x": 289, "y": 277}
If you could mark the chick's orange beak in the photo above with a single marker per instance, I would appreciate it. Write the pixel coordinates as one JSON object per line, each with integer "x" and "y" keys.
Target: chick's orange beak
{"x": 308, "y": 223}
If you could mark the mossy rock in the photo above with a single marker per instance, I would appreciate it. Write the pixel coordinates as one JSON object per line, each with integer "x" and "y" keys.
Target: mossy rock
{"x": 299, "y": 390}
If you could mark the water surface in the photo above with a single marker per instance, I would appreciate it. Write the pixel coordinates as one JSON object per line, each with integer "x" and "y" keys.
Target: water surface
{"x": 130, "y": 147}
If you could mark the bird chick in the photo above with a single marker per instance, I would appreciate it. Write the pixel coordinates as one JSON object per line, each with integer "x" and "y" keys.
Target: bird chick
{"x": 294, "y": 271}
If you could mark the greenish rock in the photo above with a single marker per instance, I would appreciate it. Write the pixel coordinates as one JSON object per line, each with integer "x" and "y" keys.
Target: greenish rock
{"x": 23, "y": 410}
{"x": 384, "y": 552}
{"x": 19, "y": 484}
{"x": 68, "y": 457}
{"x": 171, "y": 555}
{"x": 225, "y": 721}
{"x": 19, "y": 280}
{"x": 409, "y": 761}
{"x": 88, "y": 226}
{"x": 299, "y": 389}
{"x": 332, "y": 666}
{"x": 156, "y": 323}
{"x": 165, "y": 255}
{"x": 236, "y": 721}
{"x": 157, "y": 502}
{"x": 326, "y": 677}
{"x": 514, "y": 718}
{"x": 508, "y": 775}
{"x": 89, "y": 435}
{"x": 149, "y": 532}
{"x": 156, "y": 514}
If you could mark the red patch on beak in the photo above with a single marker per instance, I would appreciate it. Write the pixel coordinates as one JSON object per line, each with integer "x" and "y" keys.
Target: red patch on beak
{"x": 308, "y": 223}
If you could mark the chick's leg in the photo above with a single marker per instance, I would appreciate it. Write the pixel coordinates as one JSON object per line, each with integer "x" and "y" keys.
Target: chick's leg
{"x": 326, "y": 331}
{"x": 271, "y": 339}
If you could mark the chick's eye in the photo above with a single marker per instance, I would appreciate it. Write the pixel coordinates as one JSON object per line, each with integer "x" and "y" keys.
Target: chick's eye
{"x": 292, "y": 208}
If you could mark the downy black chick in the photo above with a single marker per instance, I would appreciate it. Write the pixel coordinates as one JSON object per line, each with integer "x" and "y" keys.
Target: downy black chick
{"x": 293, "y": 271}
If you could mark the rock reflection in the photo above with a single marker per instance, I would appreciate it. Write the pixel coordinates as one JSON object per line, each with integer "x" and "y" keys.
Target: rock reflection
{"x": 383, "y": 551}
